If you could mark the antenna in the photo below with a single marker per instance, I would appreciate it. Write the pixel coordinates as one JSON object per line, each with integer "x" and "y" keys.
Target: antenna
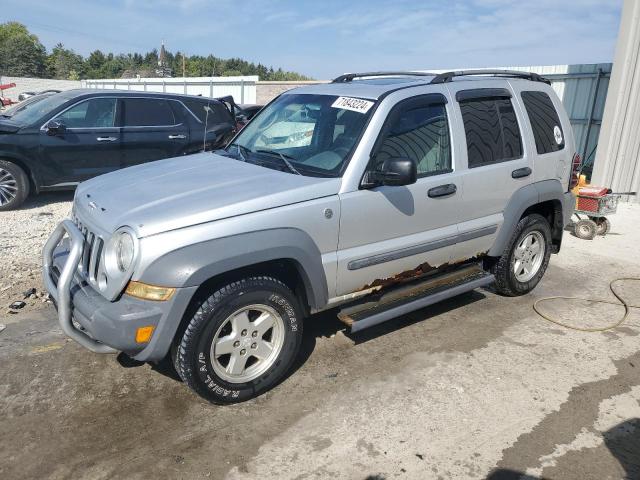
{"x": 207, "y": 108}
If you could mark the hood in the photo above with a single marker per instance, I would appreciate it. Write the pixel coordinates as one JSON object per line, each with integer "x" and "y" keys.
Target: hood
{"x": 8, "y": 126}
{"x": 188, "y": 190}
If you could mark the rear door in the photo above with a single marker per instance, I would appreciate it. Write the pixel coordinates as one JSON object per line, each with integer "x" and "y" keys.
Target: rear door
{"x": 89, "y": 145}
{"x": 211, "y": 116}
{"x": 151, "y": 130}
{"x": 498, "y": 162}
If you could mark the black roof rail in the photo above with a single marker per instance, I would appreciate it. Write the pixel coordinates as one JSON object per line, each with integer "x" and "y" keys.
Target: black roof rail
{"x": 448, "y": 76}
{"x": 348, "y": 77}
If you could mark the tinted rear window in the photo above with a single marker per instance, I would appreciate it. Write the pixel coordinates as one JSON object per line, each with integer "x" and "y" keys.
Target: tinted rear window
{"x": 492, "y": 131}
{"x": 545, "y": 122}
{"x": 146, "y": 112}
{"x": 217, "y": 113}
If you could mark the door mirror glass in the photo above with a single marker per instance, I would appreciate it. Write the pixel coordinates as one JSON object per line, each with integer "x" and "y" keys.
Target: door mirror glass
{"x": 396, "y": 171}
{"x": 55, "y": 128}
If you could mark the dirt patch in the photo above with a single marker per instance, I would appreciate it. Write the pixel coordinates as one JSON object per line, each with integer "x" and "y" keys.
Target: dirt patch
{"x": 23, "y": 233}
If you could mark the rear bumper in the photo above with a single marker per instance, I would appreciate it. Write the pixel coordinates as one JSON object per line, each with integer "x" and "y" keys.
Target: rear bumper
{"x": 568, "y": 207}
{"x": 93, "y": 321}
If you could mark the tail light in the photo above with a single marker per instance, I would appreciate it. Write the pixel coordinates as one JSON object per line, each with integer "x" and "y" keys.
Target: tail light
{"x": 575, "y": 171}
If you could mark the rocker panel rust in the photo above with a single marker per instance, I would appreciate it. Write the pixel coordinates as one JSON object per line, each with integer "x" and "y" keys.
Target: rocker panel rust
{"x": 411, "y": 291}
{"x": 420, "y": 271}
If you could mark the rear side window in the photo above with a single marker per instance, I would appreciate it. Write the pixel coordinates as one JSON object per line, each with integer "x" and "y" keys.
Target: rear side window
{"x": 422, "y": 134}
{"x": 146, "y": 112}
{"x": 217, "y": 113}
{"x": 545, "y": 122}
{"x": 492, "y": 131}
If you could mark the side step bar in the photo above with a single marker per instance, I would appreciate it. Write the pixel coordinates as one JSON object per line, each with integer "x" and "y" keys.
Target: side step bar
{"x": 409, "y": 298}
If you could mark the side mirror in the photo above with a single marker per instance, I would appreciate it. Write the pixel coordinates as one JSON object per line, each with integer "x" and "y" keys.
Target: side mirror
{"x": 55, "y": 128}
{"x": 396, "y": 171}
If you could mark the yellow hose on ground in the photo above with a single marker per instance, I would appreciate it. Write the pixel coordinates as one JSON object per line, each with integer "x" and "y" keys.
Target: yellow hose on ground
{"x": 627, "y": 307}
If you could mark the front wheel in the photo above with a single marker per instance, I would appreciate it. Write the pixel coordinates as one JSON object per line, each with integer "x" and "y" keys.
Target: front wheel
{"x": 14, "y": 185}
{"x": 525, "y": 260}
{"x": 241, "y": 341}
{"x": 586, "y": 229}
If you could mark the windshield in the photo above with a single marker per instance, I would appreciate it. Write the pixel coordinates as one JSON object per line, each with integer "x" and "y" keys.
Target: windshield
{"x": 36, "y": 110}
{"x": 304, "y": 134}
{"x": 9, "y": 112}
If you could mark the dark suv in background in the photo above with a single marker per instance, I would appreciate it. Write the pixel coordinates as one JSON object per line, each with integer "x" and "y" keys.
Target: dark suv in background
{"x": 71, "y": 136}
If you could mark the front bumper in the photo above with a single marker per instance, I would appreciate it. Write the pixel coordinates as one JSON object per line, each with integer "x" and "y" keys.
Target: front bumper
{"x": 93, "y": 321}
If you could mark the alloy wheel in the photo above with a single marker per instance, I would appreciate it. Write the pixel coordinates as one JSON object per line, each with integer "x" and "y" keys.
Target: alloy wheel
{"x": 528, "y": 256}
{"x": 247, "y": 343}
{"x": 8, "y": 187}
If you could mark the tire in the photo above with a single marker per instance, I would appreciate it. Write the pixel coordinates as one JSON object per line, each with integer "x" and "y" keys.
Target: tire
{"x": 216, "y": 376}
{"x": 14, "y": 186}
{"x": 510, "y": 283}
{"x": 585, "y": 229}
{"x": 603, "y": 226}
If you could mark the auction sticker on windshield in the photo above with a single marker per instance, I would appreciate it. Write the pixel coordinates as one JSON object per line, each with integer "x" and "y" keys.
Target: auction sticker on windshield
{"x": 353, "y": 104}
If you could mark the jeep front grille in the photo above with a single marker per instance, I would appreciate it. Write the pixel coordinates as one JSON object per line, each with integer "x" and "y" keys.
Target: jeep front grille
{"x": 91, "y": 252}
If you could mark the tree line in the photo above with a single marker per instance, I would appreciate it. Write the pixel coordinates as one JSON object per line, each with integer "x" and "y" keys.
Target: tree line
{"x": 22, "y": 55}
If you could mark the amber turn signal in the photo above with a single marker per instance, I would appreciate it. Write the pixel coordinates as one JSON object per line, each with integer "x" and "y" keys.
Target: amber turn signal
{"x": 149, "y": 292}
{"x": 143, "y": 334}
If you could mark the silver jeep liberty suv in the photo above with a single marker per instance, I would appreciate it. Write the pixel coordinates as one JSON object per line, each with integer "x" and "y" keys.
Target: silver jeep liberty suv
{"x": 376, "y": 194}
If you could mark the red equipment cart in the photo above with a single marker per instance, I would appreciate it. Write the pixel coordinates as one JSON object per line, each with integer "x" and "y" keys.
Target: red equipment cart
{"x": 594, "y": 203}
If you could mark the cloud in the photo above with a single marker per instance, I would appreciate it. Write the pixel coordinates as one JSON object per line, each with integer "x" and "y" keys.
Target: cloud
{"x": 280, "y": 16}
{"x": 325, "y": 38}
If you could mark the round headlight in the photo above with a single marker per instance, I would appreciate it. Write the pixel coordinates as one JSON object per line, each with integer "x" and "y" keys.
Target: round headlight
{"x": 124, "y": 251}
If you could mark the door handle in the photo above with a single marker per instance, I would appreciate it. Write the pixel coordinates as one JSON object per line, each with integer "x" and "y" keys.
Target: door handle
{"x": 442, "y": 190}
{"x": 106, "y": 139}
{"x": 175, "y": 137}
{"x": 521, "y": 172}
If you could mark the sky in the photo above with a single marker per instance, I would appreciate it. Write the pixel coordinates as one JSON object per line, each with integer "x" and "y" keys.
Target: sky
{"x": 325, "y": 38}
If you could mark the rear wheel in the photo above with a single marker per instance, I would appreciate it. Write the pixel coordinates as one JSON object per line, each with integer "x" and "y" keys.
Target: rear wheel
{"x": 14, "y": 185}
{"x": 603, "y": 226}
{"x": 525, "y": 260}
{"x": 241, "y": 341}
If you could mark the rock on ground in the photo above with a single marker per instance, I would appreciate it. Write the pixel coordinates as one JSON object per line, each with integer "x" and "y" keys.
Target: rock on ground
{"x": 23, "y": 233}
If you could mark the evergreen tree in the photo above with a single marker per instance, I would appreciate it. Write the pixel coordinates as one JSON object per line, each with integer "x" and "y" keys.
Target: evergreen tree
{"x": 21, "y": 54}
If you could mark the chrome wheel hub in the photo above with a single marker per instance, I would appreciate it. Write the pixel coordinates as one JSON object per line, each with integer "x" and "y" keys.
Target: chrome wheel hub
{"x": 528, "y": 256}
{"x": 8, "y": 187}
{"x": 247, "y": 343}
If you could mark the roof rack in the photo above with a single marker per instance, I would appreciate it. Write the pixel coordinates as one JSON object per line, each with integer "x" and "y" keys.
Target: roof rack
{"x": 348, "y": 77}
{"x": 448, "y": 76}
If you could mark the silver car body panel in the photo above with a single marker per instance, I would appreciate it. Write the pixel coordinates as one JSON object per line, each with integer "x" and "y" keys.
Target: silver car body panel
{"x": 190, "y": 190}
{"x": 200, "y": 215}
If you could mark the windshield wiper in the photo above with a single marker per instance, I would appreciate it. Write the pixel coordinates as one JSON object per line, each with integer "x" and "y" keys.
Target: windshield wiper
{"x": 282, "y": 157}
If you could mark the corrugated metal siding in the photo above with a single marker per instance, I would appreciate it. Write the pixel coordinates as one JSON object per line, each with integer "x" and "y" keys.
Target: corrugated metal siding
{"x": 617, "y": 164}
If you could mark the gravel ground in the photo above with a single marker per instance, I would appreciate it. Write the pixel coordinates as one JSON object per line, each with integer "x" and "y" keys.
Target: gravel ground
{"x": 22, "y": 237}
{"x": 478, "y": 386}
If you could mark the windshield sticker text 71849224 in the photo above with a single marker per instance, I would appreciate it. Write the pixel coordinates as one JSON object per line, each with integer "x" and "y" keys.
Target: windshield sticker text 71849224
{"x": 353, "y": 104}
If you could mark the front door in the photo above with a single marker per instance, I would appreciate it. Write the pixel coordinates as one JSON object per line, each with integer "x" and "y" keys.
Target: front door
{"x": 88, "y": 146}
{"x": 388, "y": 233}
{"x": 151, "y": 130}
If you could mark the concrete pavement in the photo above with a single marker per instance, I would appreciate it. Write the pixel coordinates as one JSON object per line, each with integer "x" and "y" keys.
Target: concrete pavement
{"x": 475, "y": 387}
